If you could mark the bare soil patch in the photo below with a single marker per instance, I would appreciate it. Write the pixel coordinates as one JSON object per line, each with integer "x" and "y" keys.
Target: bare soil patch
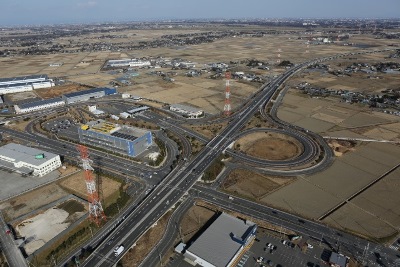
{"x": 41, "y": 228}
{"x": 253, "y": 185}
{"x": 60, "y": 90}
{"x": 33, "y": 200}
{"x": 19, "y": 125}
{"x": 341, "y": 147}
{"x": 269, "y": 146}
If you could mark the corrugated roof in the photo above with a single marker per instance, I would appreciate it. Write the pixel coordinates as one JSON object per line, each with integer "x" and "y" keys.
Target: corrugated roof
{"x": 187, "y": 108}
{"x": 217, "y": 245}
{"x": 134, "y": 110}
{"x": 25, "y": 154}
{"x": 90, "y": 91}
{"x": 338, "y": 259}
{"x": 40, "y": 103}
{"x": 22, "y": 78}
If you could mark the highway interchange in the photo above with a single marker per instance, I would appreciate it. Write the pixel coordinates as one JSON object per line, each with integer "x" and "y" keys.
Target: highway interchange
{"x": 181, "y": 181}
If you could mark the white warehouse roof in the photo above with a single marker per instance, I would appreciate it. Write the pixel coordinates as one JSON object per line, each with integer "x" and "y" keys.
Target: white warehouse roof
{"x": 25, "y": 154}
{"x": 222, "y": 240}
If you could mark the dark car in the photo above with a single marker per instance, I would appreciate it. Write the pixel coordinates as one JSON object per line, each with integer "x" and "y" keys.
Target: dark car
{"x": 378, "y": 255}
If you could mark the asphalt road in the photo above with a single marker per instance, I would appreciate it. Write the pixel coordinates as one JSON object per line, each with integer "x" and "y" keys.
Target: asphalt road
{"x": 137, "y": 220}
{"x": 337, "y": 240}
{"x": 174, "y": 186}
{"x": 11, "y": 251}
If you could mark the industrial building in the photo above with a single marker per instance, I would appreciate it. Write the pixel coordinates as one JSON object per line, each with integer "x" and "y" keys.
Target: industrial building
{"x": 27, "y": 160}
{"x": 122, "y": 139}
{"x": 128, "y": 62}
{"x": 187, "y": 111}
{"x": 138, "y": 110}
{"x": 82, "y": 96}
{"x": 222, "y": 242}
{"x": 39, "y": 105}
{"x": 338, "y": 260}
{"x": 24, "y": 83}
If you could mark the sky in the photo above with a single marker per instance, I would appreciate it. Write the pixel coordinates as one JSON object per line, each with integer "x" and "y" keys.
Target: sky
{"x": 23, "y": 12}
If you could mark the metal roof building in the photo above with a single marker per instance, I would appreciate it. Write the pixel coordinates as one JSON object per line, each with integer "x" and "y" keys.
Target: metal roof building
{"x": 24, "y": 79}
{"x": 81, "y": 96}
{"x": 85, "y": 95}
{"x": 338, "y": 260}
{"x": 25, "y": 159}
{"x": 221, "y": 242}
{"x": 24, "y": 83}
{"x": 187, "y": 111}
{"x": 39, "y": 105}
{"x": 125, "y": 140}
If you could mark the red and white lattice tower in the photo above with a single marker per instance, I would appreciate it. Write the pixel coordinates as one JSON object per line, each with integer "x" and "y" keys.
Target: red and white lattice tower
{"x": 96, "y": 213}
{"x": 227, "y": 107}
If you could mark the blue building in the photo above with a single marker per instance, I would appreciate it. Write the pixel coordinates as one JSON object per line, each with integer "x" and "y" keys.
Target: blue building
{"x": 124, "y": 140}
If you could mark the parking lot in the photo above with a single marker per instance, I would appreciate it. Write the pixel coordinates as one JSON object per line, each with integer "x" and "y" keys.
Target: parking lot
{"x": 275, "y": 253}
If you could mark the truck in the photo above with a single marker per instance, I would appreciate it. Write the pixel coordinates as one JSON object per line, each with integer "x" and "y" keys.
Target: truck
{"x": 118, "y": 250}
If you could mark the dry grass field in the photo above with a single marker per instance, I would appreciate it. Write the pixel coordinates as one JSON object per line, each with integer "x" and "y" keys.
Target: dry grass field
{"x": 76, "y": 185}
{"x": 368, "y": 214}
{"x": 269, "y": 146}
{"x": 145, "y": 244}
{"x": 253, "y": 185}
{"x": 202, "y": 92}
{"x": 194, "y": 219}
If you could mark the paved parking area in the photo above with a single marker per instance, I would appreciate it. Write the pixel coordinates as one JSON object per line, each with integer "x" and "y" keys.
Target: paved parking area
{"x": 282, "y": 255}
{"x": 13, "y": 184}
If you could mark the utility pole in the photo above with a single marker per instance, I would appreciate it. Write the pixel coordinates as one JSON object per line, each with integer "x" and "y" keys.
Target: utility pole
{"x": 365, "y": 253}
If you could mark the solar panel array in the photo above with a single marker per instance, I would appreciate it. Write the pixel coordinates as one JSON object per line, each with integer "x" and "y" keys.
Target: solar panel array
{"x": 124, "y": 136}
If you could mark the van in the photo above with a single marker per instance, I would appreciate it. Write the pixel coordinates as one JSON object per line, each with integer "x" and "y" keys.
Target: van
{"x": 118, "y": 250}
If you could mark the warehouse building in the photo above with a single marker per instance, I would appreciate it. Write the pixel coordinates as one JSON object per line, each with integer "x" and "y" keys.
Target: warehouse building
{"x": 124, "y": 140}
{"x": 222, "y": 242}
{"x": 187, "y": 111}
{"x": 82, "y": 96}
{"x": 129, "y": 62}
{"x": 39, "y": 105}
{"x": 138, "y": 110}
{"x": 24, "y": 83}
{"x": 27, "y": 160}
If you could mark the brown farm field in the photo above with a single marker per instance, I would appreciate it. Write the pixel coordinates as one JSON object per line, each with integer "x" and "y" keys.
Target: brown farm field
{"x": 203, "y": 92}
{"x": 253, "y": 185}
{"x": 359, "y": 164}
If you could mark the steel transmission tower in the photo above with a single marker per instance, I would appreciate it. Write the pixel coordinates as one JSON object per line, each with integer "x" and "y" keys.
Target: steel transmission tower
{"x": 96, "y": 213}
{"x": 227, "y": 107}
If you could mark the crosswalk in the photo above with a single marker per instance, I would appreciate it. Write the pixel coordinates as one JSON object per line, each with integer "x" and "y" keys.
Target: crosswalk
{"x": 394, "y": 247}
{"x": 243, "y": 260}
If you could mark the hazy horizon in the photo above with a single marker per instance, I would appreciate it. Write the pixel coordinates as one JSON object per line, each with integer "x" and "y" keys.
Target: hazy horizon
{"x": 47, "y": 12}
